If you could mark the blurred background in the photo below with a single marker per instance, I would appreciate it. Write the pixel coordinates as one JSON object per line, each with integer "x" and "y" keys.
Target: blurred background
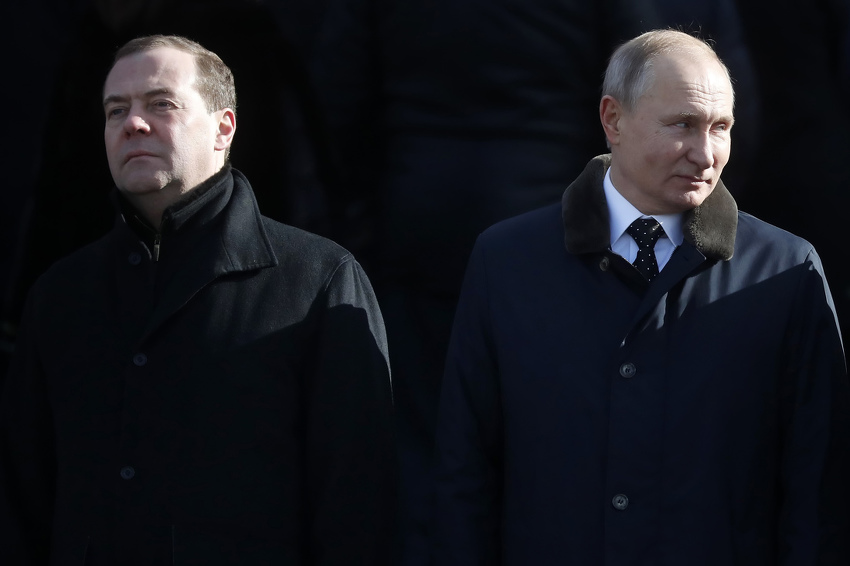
{"x": 403, "y": 128}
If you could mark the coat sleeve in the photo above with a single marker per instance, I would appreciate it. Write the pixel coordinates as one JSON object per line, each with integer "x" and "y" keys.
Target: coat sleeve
{"x": 351, "y": 474}
{"x": 27, "y": 456}
{"x": 467, "y": 528}
{"x": 814, "y": 518}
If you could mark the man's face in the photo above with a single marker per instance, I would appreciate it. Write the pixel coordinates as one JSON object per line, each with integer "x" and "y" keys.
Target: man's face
{"x": 159, "y": 134}
{"x": 669, "y": 151}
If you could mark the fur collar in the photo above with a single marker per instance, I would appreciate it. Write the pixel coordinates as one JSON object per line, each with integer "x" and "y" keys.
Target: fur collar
{"x": 710, "y": 227}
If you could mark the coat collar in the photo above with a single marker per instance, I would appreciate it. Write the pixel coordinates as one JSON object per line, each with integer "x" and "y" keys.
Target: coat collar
{"x": 226, "y": 234}
{"x": 244, "y": 239}
{"x": 221, "y": 215}
{"x": 236, "y": 241}
{"x": 710, "y": 227}
{"x": 198, "y": 207}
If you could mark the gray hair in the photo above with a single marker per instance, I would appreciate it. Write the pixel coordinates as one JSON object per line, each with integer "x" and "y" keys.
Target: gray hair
{"x": 630, "y": 74}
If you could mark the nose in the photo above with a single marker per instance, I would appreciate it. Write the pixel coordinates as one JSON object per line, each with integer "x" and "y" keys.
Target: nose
{"x": 134, "y": 123}
{"x": 701, "y": 151}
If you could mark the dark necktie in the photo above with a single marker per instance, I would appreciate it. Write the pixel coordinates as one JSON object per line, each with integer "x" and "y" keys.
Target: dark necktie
{"x": 645, "y": 232}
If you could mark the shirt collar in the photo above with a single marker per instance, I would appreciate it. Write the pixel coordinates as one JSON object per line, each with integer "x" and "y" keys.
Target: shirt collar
{"x": 622, "y": 213}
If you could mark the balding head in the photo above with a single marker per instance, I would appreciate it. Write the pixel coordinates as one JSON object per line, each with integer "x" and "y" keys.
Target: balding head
{"x": 630, "y": 71}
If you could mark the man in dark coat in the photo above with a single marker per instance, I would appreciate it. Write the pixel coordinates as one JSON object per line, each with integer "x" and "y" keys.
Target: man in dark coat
{"x": 202, "y": 385}
{"x": 613, "y": 400}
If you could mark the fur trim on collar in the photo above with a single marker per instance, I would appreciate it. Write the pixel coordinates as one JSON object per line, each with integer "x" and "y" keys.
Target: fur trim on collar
{"x": 710, "y": 227}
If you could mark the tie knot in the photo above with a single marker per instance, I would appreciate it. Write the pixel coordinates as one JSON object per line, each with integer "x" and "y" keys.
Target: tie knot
{"x": 645, "y": 232}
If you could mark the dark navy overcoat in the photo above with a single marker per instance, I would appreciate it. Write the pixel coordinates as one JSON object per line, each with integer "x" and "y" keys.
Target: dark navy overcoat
{"x": 588, "y": 418}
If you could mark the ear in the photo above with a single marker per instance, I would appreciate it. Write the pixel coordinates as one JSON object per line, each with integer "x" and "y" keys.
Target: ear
{"x": 226, "y": 129}
{"x": 610, "y": 113}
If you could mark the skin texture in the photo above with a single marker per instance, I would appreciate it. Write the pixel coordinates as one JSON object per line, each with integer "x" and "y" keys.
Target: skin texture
{"x": 161, "y": 140}
{"x": 668, "y": 151}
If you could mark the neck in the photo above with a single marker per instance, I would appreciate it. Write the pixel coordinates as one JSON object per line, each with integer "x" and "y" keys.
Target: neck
{"x": 152, "y": 205}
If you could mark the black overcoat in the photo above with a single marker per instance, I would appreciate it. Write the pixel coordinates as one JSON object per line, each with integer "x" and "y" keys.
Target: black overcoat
{"x": 229, "y": 403}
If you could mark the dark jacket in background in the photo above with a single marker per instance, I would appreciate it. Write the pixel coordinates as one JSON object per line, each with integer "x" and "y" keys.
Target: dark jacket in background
{"x": 800, "y": 180}
{"x": 445, "y": 116}
{"x": 589, "y": 418}
{"x": 450, "y": 115}
{"x": 227, "y": 404}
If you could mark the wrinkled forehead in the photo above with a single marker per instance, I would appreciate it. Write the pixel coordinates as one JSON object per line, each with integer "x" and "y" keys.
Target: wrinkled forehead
{"x": 692, "y": 71}
{"x": 700, "y": 61}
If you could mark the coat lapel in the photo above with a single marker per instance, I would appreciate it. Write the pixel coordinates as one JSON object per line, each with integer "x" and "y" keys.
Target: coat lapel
{"x": 236, "y": 244}
{"x": 709, "y": 233}
{"x": 684, "y": 261}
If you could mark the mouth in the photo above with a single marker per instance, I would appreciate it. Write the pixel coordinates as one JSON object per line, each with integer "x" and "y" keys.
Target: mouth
{"x": 695, "y": 179}
{"x": 134, "y": 154}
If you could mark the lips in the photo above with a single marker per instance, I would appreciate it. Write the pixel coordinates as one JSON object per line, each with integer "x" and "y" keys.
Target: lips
{"x": 137, "y": 153}
{"x": 694, "y": 179}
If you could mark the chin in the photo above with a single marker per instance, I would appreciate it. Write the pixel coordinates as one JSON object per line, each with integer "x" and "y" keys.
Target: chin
{"x": 140, "y": 189}
{"x": 142, "y": 184}
{"x": 693, "y": 199}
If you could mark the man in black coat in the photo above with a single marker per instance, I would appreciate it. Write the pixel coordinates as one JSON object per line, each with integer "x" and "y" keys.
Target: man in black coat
{"x": 202, "y": 385}
{"x": 644, "y": 375}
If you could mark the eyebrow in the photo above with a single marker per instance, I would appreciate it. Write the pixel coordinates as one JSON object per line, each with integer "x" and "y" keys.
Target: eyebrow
{"x": 115, "y": 98}
{"x": 698, "y": 116}
{"x": 685, "y": 116}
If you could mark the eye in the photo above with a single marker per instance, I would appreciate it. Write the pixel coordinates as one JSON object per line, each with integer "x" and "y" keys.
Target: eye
{"x": 162, "y": 105}
{"x": 682, "y": 125}
{"x": 114, "y": 112}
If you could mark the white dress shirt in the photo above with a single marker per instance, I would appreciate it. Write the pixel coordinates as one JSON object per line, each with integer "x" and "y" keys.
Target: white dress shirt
{"x": 622, "y": 213}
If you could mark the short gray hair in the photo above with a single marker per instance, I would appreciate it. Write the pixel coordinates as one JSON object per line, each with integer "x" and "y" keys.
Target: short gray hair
{"x": 629, "y": 74}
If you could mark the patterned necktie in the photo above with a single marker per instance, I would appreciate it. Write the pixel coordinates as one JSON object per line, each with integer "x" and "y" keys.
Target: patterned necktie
{"x": 646, "y": 232}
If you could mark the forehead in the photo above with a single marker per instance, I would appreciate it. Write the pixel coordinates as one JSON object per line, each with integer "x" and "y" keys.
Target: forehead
{"x": 690, "y": 79}
{"x": 161, "y": 67}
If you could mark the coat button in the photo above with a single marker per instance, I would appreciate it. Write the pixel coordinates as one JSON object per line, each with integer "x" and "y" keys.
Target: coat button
{"x": 127, "y": 472}
{"x": 620, "y": 502}
{"x": 134, "y": 258}
{"x": 140, "y": 359}
{"x": 628, "y": 370}
{"x": 604, "y": 263}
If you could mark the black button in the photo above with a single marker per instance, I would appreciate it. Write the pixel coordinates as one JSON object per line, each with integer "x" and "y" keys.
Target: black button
{"x": 620, "y": 502}
{"x": 127, "y": 472}
{"x": 134, "y": 258}
{"x": 628, "y": 370}
{"x": 603, "y": 265}
{"x": 140, "y": 359}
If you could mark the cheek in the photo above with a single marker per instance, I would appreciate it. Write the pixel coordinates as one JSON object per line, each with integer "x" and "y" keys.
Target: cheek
{"x": 111, "y": 149}
{"x": 658, "y": 158}
{"x": 721, "y": 154}
{"x": 657, "y": 147}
